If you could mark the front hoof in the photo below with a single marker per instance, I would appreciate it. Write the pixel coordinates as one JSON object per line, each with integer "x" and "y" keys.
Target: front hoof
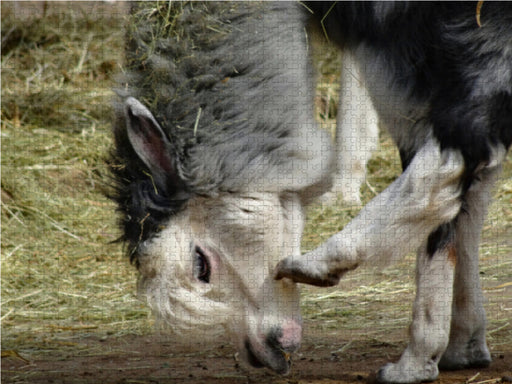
{"x": 471, "y": 355}
{"x": 289, "y": 269}
{"x": 395, "y": 373}
{"x": 448, "y": 364}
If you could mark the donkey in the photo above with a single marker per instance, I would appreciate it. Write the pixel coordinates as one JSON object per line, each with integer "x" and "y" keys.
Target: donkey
{"x": 216, "y": 155}
{"x": 440, "y": 78}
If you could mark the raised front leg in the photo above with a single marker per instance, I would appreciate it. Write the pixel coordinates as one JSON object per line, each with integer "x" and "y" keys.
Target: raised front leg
{"x": 467, "y": 346}
{"x": 394, "y": 223}
{"x": 430, "y": 326}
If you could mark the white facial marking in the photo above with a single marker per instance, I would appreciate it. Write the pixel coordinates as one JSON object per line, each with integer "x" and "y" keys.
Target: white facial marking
{"x": 210, "y": 270}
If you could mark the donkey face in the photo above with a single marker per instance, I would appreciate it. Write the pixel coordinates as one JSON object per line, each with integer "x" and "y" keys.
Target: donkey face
{"x": 209, "y": 270}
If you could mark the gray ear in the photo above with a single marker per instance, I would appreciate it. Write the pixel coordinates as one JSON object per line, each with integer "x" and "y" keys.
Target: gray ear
{"x": 149, "y": 141}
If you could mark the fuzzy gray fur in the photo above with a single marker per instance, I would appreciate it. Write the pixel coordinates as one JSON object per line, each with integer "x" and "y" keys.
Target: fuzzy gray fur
{"x": 230, "y": 85}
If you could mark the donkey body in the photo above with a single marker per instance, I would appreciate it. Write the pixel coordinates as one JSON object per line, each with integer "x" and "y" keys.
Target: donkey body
{"x": 442, "y": 85}
{"x": 217, "y": 153}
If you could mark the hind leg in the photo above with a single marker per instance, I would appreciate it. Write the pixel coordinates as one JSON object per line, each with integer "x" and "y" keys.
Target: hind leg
{"x": 357, "y": 132}
{"x": 467, "y": 346}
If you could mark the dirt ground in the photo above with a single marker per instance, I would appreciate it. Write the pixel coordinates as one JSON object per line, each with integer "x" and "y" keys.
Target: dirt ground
{"x": 155, "y": 359}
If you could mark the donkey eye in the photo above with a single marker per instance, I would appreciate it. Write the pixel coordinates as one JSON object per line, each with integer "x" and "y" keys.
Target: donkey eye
{"x": 201, "y": 266}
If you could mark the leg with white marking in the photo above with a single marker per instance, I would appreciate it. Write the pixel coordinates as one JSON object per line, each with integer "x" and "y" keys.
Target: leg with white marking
{"x": 394, "y": 223}
{"x": 430, "y": 326}
{"x": 467, "y": 346}
{"x": 357, "y": 132}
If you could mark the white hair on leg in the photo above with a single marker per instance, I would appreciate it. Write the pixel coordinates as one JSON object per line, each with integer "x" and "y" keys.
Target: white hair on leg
{"x": 430, "y": 326}
{"x": 357, "y": 132}
{"x": 395, "y": 222}
{"x": 467, "y": 346}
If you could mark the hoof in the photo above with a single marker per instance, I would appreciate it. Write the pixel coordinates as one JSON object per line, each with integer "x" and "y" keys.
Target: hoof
{"x": 480, "y": 358}
{"x": 396, "y": 373}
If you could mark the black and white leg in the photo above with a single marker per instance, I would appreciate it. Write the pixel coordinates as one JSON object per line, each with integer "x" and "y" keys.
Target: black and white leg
{"x": 467, "y": 346}
{"x": 430, "y": 326}
{"x": 448, "y": 327}
{"x": 395, "y": 222}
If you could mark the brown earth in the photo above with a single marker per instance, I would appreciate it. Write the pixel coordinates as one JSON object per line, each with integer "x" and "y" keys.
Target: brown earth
{"x": 156, "y": 359}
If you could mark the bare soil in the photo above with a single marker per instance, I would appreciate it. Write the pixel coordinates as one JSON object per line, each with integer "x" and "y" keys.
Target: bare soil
{"x": 156, "y": 359}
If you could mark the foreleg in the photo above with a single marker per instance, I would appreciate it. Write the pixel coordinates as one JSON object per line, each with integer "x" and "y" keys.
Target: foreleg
{"x": 394, "y": 223}
{"x": 467, "y": 346}
{"x": 430, "y": 326}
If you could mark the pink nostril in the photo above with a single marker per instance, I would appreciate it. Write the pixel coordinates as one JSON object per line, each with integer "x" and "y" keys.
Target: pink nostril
{"x": 291, "y": 334}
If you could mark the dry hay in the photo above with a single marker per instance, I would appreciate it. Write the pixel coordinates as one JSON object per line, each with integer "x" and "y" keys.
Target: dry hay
{"x": 60, "y": 274}
{"x": 62, "y": 279}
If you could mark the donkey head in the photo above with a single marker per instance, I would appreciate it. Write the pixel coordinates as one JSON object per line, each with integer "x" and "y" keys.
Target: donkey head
{"x": 208, "y": 269}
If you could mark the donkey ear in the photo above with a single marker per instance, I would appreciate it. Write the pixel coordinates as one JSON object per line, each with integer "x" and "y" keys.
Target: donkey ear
{"x": 149, "y": 140}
